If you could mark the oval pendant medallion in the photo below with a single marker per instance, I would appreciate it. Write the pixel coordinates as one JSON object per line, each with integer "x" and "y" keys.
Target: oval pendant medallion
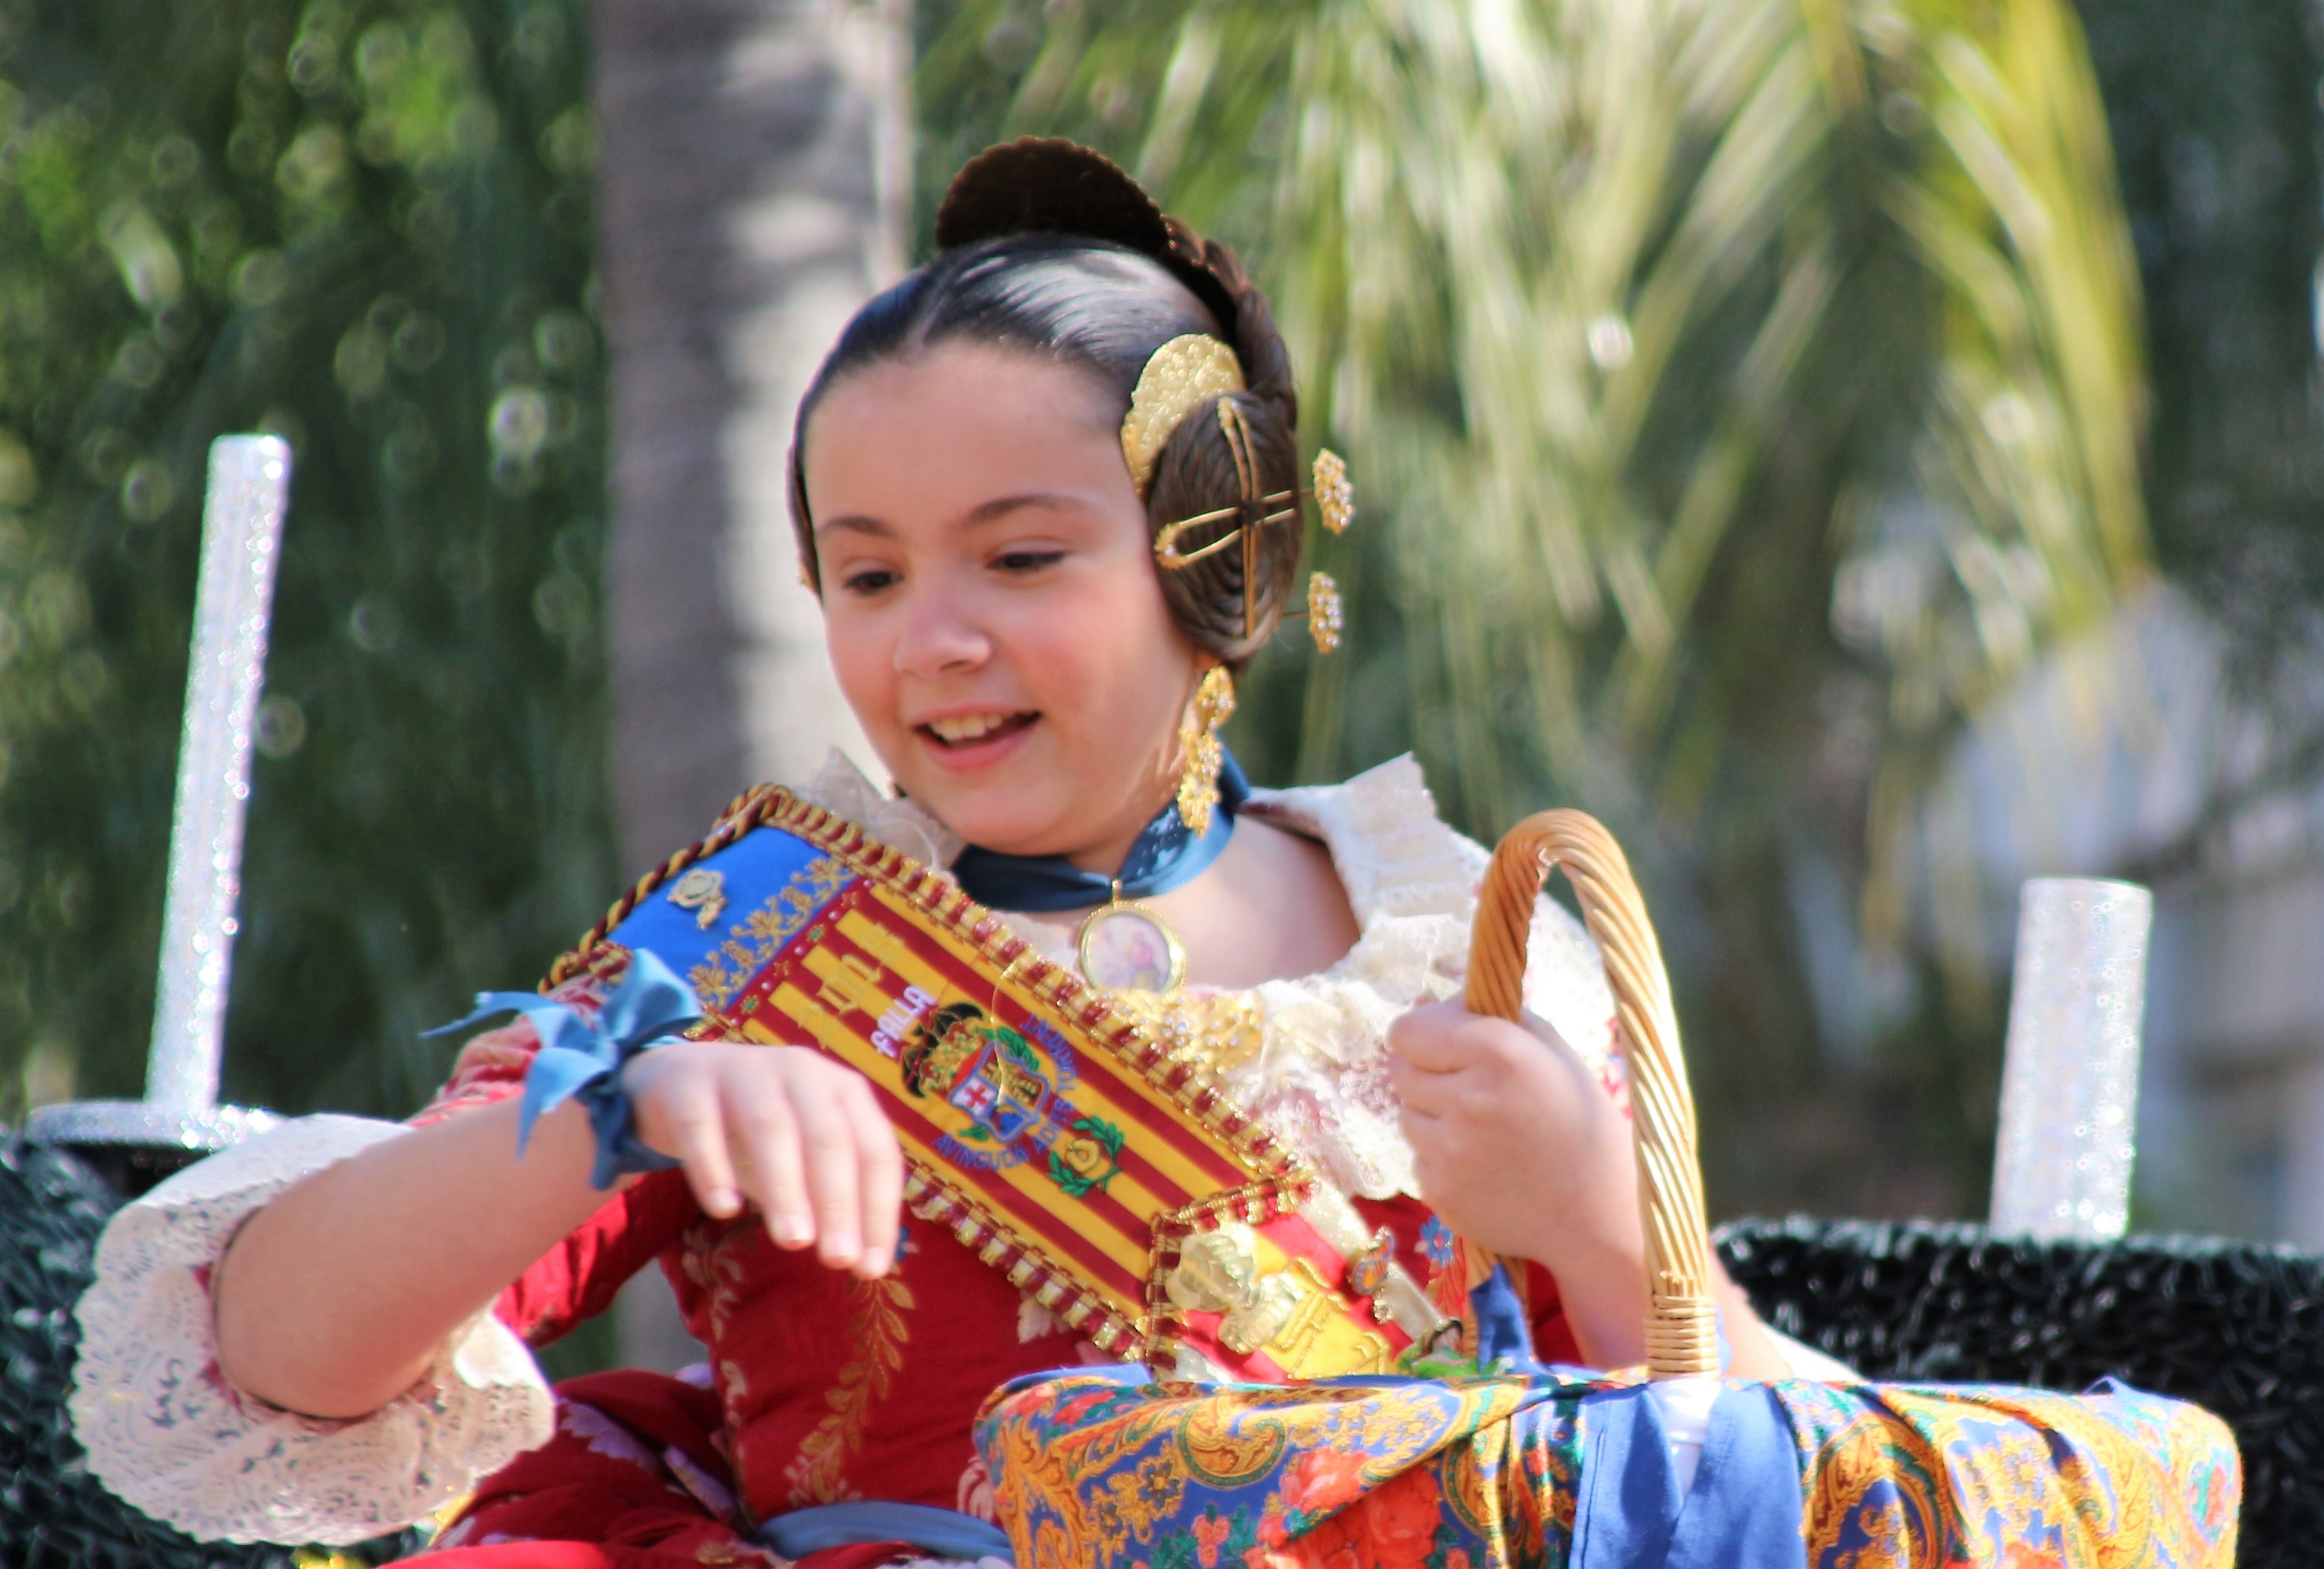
{"x": 1128, "y": 947}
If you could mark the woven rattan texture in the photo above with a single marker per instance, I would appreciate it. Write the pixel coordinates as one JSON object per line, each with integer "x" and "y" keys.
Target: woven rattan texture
{"x": 1682, "y": 1325}
{"x": 52, "y": 1514}
{"x": 2235, "y": 1327}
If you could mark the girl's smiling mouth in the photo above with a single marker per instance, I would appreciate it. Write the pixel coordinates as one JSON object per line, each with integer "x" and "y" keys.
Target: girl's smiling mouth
{"x": 973, "y": 738}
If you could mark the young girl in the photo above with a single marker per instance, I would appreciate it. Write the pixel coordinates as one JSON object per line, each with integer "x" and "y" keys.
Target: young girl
{"x": 320, "y": 1336}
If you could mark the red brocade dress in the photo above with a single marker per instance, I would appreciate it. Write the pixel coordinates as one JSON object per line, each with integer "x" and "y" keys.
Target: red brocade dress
{"x": 817, "y": 1388}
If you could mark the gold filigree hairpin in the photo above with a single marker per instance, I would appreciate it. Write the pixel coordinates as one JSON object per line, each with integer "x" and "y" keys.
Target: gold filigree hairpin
{"x": 1177, "y": 380}
{"x": 1336, "y": 501}
{"x": 1336, "y": 498}
{"x": 1326, "y": 612}
{"x": 1178, "y": 377}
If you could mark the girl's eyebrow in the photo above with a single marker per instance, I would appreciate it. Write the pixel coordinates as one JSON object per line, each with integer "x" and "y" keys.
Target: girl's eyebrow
{"x": 982, "y": 512}
{"x": 854, "y": 524}
{"x": 1001, "y": 507}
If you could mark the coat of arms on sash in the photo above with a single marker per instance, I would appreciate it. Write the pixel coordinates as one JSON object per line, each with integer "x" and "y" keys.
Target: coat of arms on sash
{"x": 1047, "y": 1130}
{"x": 988, "y": 1070}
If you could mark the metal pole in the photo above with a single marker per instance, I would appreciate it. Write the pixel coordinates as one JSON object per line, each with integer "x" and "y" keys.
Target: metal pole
{"x": 180, "y": 1118}
{"x": 250, "y": 481}
{"x": 2069, "y": 1074}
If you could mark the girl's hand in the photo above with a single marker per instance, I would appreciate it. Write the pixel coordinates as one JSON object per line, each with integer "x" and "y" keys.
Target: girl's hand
{"x": 1519, "y": 1148}
{"x": 787, "y": 1129}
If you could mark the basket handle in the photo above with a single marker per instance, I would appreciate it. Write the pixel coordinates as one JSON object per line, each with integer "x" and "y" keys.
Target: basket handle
{"x": 1682, "y": 1324}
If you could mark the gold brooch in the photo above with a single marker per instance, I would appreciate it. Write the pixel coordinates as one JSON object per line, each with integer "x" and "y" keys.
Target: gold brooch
{"x": 703, "y": 892}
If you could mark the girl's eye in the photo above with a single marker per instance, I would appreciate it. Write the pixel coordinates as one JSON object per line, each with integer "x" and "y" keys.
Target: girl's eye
{"x": 1028, "y": 560}
{"x": 870, "y": 580}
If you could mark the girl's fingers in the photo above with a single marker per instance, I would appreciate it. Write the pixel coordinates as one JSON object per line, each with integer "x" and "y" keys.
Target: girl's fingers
{"x": 827, "y": 1138}
{"x": 1434, "y": 1038}
{"x": 1418, "y": 1090}
{"x": 1541, "y": 1029}
{"x": 767, "y": 1137}
{"x": 881, "y": 1176}
{"x": 800, "y": 1138}
{"x": 697, "y": 1137}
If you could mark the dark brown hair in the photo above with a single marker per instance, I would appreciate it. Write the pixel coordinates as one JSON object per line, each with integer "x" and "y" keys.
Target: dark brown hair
{"x": 1050, "y": 255}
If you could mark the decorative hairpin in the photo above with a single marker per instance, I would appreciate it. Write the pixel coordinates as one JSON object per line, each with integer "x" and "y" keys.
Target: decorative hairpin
{"x": 1177, "y": 379}
{"x": 1326, "y": 613}
{"x": 1334, "y": 502}
{"x": 1173, "y": 383}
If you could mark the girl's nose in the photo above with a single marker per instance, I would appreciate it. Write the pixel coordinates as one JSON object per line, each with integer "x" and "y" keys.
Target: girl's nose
{"x": 941, "y": 636}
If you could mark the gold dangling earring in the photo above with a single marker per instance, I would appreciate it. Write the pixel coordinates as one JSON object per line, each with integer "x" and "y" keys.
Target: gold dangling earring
{"x": 1200, "y": 754}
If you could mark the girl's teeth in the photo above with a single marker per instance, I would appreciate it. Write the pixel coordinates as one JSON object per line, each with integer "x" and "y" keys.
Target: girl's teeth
{"x": 968, "y": 729}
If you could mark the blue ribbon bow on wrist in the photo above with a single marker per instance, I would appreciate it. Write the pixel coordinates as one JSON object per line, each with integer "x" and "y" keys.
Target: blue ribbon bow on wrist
{"x": 582, "y": 1061}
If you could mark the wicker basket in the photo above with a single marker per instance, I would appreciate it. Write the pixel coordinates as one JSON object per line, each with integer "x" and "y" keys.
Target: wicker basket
{"x": 1682, "y": 1323}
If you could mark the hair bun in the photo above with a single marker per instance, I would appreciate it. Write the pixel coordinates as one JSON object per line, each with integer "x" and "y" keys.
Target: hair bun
{"x": 1041, "y": 185}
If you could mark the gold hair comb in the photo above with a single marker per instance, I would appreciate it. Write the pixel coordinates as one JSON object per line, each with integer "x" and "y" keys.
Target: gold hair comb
{"x": 1178, "y": 377}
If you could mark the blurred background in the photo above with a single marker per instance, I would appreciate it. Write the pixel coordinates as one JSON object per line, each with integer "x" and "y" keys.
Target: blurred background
{"x": 1865, "y": 450}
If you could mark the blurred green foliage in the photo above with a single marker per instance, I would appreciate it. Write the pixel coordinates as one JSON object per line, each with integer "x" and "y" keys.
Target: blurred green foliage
{"x": 2216, "y": 126}
{"x": 364, "y": 225}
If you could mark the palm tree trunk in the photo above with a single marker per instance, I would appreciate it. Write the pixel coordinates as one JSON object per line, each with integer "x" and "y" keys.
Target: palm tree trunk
{"x": 754, "y": 184}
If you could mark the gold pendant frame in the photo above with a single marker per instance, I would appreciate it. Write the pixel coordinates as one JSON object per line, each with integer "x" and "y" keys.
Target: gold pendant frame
{"x": 1105, "y": 968}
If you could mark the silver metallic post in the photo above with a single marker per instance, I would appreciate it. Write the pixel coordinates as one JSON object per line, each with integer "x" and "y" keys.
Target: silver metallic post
{"x": 180, "y": 1118}
{"x": 241, "y": 531}
{"x": 2070, "y": 1078}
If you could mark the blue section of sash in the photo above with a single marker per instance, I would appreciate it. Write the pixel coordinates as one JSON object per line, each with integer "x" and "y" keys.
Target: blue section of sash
{"x": 755, "y": 868}
{"x": 1743, "y": 1512}
{"x": 946, "y": 1533}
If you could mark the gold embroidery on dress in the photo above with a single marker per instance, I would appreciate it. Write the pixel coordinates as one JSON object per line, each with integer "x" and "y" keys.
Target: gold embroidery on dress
{"x": 711, "y": 1255}
{"x": 877, "y": 1333}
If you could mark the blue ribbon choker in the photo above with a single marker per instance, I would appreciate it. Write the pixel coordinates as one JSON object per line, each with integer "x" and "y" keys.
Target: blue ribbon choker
{"x": 1166, "y": 854}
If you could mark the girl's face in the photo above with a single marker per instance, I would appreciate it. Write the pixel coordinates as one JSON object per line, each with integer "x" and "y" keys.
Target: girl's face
{"x": 992, "y": 601}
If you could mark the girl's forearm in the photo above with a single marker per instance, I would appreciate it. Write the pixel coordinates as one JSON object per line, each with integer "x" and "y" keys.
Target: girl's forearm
{"x": 1751, "y": 1353}
{"x": 1605, "y": 1300}
{"x": 1601, "y": 1285}
{"x": 336, "y": 1296}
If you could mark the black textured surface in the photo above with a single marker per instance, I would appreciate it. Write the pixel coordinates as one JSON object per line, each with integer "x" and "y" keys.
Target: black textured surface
{"x": 2235, "y": 1327}
{"x": 53, "y": 1515}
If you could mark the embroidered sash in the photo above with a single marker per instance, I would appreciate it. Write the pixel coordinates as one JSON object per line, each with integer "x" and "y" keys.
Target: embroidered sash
{"x": 1056, "y": 1137}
